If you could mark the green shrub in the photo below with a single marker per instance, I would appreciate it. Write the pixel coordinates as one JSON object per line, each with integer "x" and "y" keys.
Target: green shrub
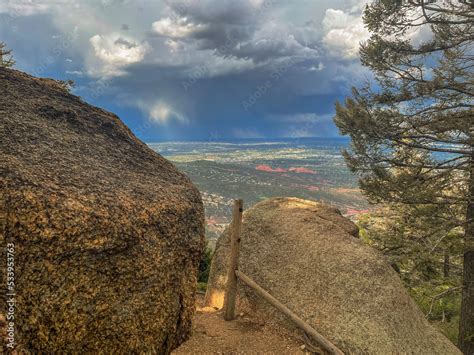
{"x": 205, "y": 266}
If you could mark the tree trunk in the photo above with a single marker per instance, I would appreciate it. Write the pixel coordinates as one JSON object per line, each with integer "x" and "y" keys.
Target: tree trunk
{"x": 466, "y": 324}
{"x": 447, "y": 265}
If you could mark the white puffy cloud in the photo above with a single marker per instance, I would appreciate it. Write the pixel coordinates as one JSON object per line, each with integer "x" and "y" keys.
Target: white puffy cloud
{"x": 419, "y": 35}
{"x": 343, "y": 33}
{"x": 175, "y": 28}
{"x": 116, "y": 51}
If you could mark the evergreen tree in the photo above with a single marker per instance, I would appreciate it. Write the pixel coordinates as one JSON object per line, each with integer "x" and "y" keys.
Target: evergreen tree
{"x": 6, "y": 59}
{"x": 412, "y": 133}
{"x": 426, "y": 253}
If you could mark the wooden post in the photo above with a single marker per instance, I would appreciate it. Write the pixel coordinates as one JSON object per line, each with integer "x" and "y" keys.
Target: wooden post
{"x": 231, "y": 289}
{"x": 325, "y": 343}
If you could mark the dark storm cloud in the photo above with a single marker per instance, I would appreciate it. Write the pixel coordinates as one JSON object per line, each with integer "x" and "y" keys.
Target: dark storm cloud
{"x": 241, "y": 29}
{"x": 263, "y": 50}
{"x": 198, "y": 69}
{"x": 215, "y": 105}
{"x": 243, "y": 12}
{"x": 222, "y": 37}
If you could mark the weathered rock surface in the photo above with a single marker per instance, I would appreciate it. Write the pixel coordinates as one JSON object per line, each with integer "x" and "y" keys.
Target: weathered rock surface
{"x": 107, "y": 233}
{"x": 308, "y": 257}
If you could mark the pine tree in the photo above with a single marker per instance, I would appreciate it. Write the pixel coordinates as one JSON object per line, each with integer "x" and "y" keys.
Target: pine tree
{"x": 6, "y": 59}
{"x": 412, "y": 132}
{"x": 426, "y": 253}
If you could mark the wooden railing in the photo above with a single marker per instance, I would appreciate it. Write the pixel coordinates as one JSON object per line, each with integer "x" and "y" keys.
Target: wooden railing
{"x": 234, "y": 274}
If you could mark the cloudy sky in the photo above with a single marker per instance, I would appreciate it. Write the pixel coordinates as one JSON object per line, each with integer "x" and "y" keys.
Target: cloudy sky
{"x": 197, "y": 69}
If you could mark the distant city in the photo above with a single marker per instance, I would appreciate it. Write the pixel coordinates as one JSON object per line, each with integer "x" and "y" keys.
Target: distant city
{"x": 310, "y": 168}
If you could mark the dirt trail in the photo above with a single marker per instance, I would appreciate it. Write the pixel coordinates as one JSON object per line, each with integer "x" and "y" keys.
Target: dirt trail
{"x": 213, "y": 335}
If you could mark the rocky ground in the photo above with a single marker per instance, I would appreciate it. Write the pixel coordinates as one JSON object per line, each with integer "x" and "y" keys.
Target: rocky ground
{"x": 213, "y": 335}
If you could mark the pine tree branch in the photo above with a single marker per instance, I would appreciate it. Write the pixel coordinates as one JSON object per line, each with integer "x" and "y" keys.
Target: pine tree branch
{"x": 433, "y": 149}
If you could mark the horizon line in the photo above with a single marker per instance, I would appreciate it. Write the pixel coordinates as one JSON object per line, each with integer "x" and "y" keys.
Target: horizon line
{"x": 232, "y": 139}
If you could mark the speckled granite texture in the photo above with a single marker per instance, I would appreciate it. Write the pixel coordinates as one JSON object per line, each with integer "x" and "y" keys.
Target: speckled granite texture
{"x": 108, "y": 234}
{"x": 308, "y": 257}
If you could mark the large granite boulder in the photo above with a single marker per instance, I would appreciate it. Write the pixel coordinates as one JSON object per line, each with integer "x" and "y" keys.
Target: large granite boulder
{"x": 107, "y": 234}
{"x": 309, "y": 257}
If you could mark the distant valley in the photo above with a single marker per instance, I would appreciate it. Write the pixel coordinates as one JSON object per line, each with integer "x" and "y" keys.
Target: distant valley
{"x": 256, "y": 170}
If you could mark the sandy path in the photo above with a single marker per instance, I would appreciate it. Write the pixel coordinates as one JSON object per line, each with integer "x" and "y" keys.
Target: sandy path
{"x": 213, "y": 335}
